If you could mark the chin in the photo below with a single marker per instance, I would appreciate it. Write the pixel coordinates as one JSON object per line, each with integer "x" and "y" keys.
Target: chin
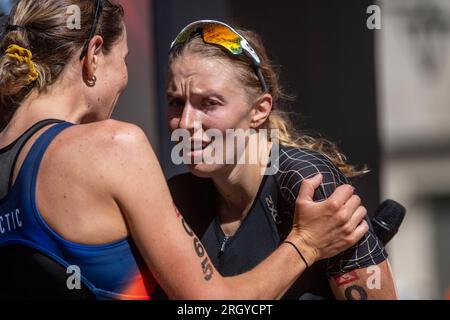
{"x": 205, "y": 170}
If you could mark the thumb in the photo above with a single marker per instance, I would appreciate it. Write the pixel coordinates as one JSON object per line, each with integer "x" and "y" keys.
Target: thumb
{"x": 308, "y": 187}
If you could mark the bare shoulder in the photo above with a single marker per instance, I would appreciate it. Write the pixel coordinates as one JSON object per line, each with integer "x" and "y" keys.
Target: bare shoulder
{"x": 101, "y": 149}
{"x": 100, "y": 140}
{"x": 105, "y": 134}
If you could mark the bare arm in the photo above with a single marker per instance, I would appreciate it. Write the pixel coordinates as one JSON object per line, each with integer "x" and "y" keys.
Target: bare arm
{"x": 177, "y": 258}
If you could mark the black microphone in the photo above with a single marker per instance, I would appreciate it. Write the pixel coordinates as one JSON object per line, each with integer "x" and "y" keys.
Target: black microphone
{"x": 387, "y": 220}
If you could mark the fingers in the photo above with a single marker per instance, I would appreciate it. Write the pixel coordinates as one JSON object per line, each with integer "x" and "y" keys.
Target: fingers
{"x": 360, "y": 231}
{"x": 308, "y": 187}
{"x": 340, "y": 196}
{"x": 355, "y": 219}
{"x": 353, "y": 203}
{"x": 349, "y": 208}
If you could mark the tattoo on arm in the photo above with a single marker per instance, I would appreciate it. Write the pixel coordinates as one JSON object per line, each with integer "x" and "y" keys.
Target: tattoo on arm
{"x": 206, "y": 265}
{"x": 346, "y": 278}
{"x": 355, "y": 293}
{"x": 187, "y": 228}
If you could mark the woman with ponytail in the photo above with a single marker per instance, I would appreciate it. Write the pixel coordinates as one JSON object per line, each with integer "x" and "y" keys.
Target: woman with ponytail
{"x": 221, "y": 80}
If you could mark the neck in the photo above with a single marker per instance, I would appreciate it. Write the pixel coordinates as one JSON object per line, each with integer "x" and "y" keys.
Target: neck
{"x": 58, "y": 102}
{"x": 237, "y": 187}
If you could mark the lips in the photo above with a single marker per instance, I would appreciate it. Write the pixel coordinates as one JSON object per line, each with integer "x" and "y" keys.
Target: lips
{"x": 197, "y": 145}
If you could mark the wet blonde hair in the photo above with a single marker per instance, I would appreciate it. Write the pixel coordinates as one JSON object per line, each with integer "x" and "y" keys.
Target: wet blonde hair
{"x": 278, "y": 119}
{"x": 43, "y": 29}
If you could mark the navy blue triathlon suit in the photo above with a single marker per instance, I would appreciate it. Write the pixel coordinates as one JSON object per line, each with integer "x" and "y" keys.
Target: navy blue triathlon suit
{"x": 270, "y": 220}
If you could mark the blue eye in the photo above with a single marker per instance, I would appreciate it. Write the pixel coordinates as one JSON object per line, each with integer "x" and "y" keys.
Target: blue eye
{"x": 210, "y": 103}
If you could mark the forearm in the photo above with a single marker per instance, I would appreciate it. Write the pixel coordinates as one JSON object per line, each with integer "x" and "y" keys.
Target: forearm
{"x": 182, "y": 267}
{"x": 269, "y": 280}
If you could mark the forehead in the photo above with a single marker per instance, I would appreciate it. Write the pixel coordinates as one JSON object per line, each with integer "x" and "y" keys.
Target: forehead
{"x": 207, "y": 72}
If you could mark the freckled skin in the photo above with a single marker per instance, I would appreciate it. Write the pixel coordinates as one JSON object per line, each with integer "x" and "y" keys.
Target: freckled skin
{"x": 79, "y": 147}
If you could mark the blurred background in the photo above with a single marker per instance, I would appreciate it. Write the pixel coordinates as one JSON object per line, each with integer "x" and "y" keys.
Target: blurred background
{"x": 383, "y": 95}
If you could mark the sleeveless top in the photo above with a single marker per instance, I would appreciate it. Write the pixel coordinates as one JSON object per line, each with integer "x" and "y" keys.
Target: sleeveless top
{"x": 110, "y": 271}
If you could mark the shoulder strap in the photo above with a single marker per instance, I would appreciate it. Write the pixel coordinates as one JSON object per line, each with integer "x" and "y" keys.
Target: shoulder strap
{"x": 10, "y": 154}
{"x": 274, "y": 205}
{"x": 280, "y": 208}
{"x": 273, "y": 200}
{"x": 285, "y": 212}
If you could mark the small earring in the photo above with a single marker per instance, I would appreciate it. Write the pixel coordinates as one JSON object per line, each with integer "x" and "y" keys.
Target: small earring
{"x": 92, "y": 81}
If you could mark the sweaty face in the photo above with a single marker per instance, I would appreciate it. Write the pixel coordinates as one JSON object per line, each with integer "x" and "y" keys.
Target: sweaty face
{"x": 207, "y": 92}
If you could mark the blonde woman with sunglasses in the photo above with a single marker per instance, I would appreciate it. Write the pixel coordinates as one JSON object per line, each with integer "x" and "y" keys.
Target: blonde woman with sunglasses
{"x": 220, "y": 78}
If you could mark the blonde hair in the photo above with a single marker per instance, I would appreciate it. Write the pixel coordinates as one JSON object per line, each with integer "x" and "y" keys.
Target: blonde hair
{"x": 44, "y": 31}
{"x": 278, "y": 119}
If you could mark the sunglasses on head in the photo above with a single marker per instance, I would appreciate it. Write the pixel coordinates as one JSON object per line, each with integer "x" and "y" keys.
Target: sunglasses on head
{"x": 220, "y": 34}
{"x": 98, "y": 12}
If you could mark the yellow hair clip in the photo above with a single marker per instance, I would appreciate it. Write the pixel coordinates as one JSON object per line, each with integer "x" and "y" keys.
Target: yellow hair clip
{"x": 23, "y": 55}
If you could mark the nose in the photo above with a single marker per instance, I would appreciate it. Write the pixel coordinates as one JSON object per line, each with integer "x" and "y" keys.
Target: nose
{"x": 188, "y": 118}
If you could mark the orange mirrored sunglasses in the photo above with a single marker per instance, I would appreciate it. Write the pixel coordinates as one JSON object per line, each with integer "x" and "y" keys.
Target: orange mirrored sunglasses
{"x": 220, "y": 34}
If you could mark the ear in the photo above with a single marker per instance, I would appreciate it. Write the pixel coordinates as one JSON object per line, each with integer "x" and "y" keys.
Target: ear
{"x": 261, "y": 110}
{"x": 90, "y": 61}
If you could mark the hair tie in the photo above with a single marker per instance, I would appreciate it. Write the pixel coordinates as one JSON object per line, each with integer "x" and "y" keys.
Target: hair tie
{"x": 23, "y": 55}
